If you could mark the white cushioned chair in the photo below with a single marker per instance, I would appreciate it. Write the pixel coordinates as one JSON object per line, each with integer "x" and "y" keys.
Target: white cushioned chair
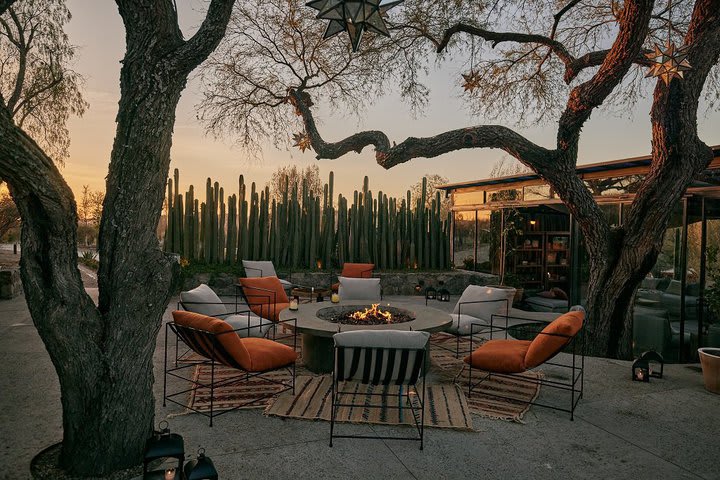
{"x": 205, "y": 301}
{"x": 264, "y": 268}
{"x": 359, "y": 289}
{"x": 477, "y": 305}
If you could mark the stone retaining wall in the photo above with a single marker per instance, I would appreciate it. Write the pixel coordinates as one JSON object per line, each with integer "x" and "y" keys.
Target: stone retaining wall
{"x": 10, "y": 283}
{"x": 393, "y": 283}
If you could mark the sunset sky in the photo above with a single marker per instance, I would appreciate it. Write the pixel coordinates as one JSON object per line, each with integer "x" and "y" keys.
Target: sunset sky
{"x": 97, "y": 29}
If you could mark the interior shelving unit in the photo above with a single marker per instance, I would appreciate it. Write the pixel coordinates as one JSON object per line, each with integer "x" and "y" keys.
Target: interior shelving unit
{"x": 541, "y": 258}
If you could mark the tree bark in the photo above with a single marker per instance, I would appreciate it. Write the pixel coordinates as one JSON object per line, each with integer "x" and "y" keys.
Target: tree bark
{"x": 103, "y": 355}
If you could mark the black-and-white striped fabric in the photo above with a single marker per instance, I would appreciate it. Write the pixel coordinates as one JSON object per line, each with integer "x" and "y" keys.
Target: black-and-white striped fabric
{"x": 380, "y": 357}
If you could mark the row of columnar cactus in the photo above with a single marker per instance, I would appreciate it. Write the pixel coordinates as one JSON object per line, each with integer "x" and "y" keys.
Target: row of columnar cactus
{"x": 303, "y": 230}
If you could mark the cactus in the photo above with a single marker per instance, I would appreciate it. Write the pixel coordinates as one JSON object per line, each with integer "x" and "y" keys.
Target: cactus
{"x": 301, "y": 229}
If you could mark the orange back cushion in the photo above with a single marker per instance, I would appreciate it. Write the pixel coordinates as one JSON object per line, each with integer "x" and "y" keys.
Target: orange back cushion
{"x": 202, "y": 343}
{"x": 256, "y": 290}
{"x": 544, "y": 347}
{"x": 357, "y": 270}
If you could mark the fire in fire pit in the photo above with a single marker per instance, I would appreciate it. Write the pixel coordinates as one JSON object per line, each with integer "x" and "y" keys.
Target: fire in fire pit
{"x": 362, "y": 315}
{"x": 373, "y": 313}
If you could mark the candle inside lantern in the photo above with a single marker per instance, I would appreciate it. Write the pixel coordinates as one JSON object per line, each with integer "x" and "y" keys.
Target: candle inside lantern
{"x": 170, "y": 474}
{"x": 639, "y": 373}
{"x": 335, "y": 298}
{"x": 294, "y": 304}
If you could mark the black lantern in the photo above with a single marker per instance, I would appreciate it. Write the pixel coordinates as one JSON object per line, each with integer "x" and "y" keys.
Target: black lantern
{"x": 200, "y": 469}
{"x": 167, "y": 446}
{"x": 641, "y": 370}
{"x": 655, "y": 363}
{"x": 430, "y": 294}
{"x": 443, "y": 295}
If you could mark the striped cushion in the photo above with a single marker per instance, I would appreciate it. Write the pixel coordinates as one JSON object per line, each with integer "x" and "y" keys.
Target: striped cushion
{"x": 380, "y": 357}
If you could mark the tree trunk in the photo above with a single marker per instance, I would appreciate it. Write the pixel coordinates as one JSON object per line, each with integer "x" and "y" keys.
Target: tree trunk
{"x": 103, "y": 355}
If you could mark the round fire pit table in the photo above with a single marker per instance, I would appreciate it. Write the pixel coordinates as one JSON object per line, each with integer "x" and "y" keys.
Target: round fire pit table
{"x": 316, "y": 332}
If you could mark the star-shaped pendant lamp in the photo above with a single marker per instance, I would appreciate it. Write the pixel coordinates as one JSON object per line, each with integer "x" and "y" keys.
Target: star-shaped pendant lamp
{"x": 302, "y": 141}
{"x": 471, "y": 81}
{"x": 353, "y": 17}
{"x": 668, "y": 63}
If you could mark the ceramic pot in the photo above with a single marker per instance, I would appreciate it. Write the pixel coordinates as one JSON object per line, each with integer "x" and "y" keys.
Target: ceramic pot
{"x": 710, "y": 361}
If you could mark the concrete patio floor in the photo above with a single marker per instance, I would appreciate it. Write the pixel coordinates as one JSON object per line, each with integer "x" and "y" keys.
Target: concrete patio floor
{"x": 667, "y": 429}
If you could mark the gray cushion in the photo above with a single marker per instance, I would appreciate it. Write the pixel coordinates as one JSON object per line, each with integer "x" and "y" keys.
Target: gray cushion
{"x": 382, "y": 339}
{"x": 259, "y": 327}
{"x": 259, "y": 268}
{"x": 359, "y": 288}
{"x": 494, "y": 301}
{"x": 541, "y": 304}
{"x": 462, "y": 324}
{"x": 204, "y": 301}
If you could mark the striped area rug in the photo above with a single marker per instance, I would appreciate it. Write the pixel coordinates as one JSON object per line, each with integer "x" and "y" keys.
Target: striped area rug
{"x": 445, "y": 405}
{"x": 229, "y": 396}
{"x": 448, "y": 373}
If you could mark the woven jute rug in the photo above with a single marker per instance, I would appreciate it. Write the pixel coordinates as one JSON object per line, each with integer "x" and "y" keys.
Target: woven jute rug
{"x": 445, "y": 405}
{"x": 448, "y": 375}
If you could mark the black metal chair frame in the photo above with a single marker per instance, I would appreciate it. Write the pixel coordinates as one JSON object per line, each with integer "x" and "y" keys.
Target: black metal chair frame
{"x": 418, "y": 417}
{"x": 575, "y": 384}
{"x": 262, "y": 275}
{"x": 269, "y": 295}
{"x": 244, "y": 376}
{"x": 479, "y": 325}
{"x": 183, "y": 306}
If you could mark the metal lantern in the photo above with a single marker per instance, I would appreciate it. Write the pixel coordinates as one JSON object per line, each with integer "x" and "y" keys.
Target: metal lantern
{"x": 649, "y": 364}
{"x": 640, "y": 370}
{"x": 167, "y": 446}
{"x": 430, "y": 293}
{"x": 443, "y": 295}
{"x": 655, "y": 363}
{"x": 201, "y": 468}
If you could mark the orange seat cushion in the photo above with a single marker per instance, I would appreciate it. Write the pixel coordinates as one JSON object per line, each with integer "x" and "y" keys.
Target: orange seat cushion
{"x": 203, "y": 345}
{"x": 269, "y": 311}
{"x": 357, "y": 270}
{"x": 256, "y": 290}
{"x": 548, "y": 344}
{"x": 501, "y": 356}
{"x": 267, "y": 355}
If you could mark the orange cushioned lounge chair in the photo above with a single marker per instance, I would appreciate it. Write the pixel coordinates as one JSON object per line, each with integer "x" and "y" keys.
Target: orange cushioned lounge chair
{"x": 510, "y": 358}
{"x": 265, "y": 296}
{"x": 355, "y": 270}
{"x": 216, "y": 342}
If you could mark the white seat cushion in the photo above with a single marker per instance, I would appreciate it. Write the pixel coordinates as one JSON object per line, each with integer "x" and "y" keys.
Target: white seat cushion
{"x": 259, "y": 327}
{"x": 204, "y": 301}
{"x": 359, "y": 289}
{"x": 491, "y": 301}
{"x": 259, "y": 268}
{"x": 462, "y": 324}
{"x": 542, "y": 304}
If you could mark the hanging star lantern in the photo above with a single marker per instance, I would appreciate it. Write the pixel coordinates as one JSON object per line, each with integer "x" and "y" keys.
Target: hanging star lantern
{"x": 668, "y": 63}
{"x": 353, "y": 17}
{"x": 471, "y": 81}
{"x": 302, "y": 141}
